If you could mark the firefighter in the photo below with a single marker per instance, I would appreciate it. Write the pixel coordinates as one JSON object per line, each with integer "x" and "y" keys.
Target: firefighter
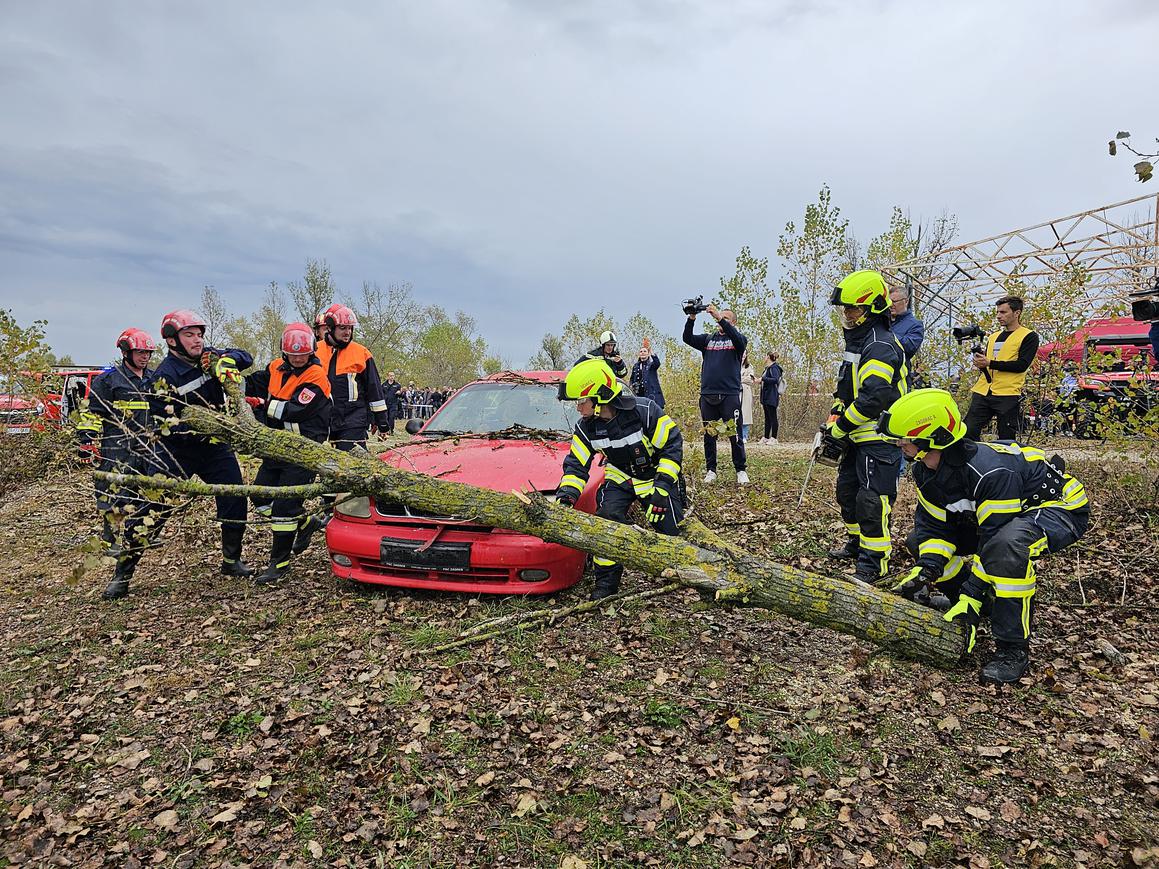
{"x": 872, "y": 376}
{"x": 355, "y": 385}
{"x": 642, "y": 446}
{"x": 608, "y": 353}
{"x": 191, "y": 375}
{"x": 985, "y": 512}
{"x": 293, "y": 393}
{"x": 320, "y": 329}
{"x": 119, "y": 398}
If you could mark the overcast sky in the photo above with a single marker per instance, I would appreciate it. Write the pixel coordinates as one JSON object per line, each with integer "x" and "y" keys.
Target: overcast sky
{"x": 523, "y": 160}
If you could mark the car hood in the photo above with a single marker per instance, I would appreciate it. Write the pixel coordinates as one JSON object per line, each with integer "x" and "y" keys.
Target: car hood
{"x": 500, "y": 464}
{"x": 16, "y": 402}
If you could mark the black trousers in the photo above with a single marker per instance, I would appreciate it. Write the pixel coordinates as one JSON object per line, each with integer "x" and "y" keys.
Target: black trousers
{"x": 284, "y": 512}
{"x": 1007, "y": 408}
{"x": 866, "y": 490}
{"x": 725, "y": 408}
{"x": 213, "y": 463}
{"x": 612, "y": 502}
{"x": 391, "y": 417}
{"x": 347, "y": 439}
{"x": 772, "y": 424}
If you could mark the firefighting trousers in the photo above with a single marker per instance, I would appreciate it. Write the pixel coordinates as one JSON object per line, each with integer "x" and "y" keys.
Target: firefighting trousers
{"x": 284, "y": 513}
{"x": 1001, "y": 572}
{"x": 612, "y": 502}
{"x": 866, "y": 490}
{"x": 213, "y": 463}
{"x": 347, "y": 439}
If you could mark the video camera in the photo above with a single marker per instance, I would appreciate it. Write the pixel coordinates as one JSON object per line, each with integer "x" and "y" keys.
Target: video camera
{"x": 962, "y": 334}
{"x": 694, "y": 306}
{"x": 1144, "y": 309}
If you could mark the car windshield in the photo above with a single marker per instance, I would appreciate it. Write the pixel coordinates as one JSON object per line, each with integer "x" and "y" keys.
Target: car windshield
{"x": 482, "y": 408}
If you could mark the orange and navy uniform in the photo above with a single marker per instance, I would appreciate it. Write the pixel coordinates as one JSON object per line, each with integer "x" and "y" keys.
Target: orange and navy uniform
{"x": 356, "y": 387}
{"x": 295, "y": 400}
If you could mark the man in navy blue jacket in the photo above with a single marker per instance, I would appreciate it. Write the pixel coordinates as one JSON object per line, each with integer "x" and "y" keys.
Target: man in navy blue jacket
{"x": 720, "y": 388}
{"x": 191, "y": 375}
{"x": 906, "y": 328}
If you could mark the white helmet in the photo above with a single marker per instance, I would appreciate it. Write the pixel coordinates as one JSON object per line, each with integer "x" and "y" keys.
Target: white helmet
{"x": 608, "y": 337}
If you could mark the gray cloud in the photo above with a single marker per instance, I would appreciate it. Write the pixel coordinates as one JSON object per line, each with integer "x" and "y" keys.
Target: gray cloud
{"x": 524, "y": 160}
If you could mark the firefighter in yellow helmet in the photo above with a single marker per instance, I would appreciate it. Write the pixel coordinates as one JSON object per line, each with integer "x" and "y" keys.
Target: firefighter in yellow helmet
{"x": 985, "y": 512}
{"x": 872, "y": 376}
{"x": 643, "y": 448}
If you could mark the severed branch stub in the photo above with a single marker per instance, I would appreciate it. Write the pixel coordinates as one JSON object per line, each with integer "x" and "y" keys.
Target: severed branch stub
{"x": 698, "y": 559}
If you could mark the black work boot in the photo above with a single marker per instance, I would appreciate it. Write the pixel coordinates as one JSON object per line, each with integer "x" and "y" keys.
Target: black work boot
{"x": 603, "y": 589}
{"x": 1009, "y": 664}
{"x": 281, "y": 551}
{"x": 118, "y": 587}
{"x": 851, "y": 549}
{"x": 231, "y": 563}
{"x": 307, "y": 528}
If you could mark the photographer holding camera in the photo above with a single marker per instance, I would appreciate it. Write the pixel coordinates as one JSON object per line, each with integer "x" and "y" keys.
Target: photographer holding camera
{"x": 1003, "y": 364}
{"x": 719, "y": 384}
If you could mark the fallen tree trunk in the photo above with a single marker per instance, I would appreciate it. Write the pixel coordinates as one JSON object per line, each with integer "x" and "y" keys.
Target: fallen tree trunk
{"x": 699, "y": 560}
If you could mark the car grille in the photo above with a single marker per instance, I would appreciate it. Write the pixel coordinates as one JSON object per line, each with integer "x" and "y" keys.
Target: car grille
{"x": 425, "y": 519}
{"x": 475, "y": 574}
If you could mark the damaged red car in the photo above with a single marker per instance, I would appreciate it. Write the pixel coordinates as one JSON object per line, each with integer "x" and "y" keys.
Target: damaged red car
{"x": 505, "y": 432}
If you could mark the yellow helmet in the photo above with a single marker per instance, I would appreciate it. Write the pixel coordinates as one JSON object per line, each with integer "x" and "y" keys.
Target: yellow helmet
{"x": 928, "y": 418}
{"x": 865, "y": 288}
{"x": 592, "y": 379}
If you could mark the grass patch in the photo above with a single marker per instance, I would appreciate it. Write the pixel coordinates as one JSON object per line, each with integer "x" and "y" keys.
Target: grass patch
{"x": 660, "y": 713}
{"x": 810, "y": 747}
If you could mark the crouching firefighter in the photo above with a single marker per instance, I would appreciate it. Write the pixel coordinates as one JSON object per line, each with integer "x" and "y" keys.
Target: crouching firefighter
{"x": 872, "y": 376}
{"x": 985, "y": 512}
{"x": 293, "y": 393}
{"x": 643, "y": 448}
{"x": 119, "y": 398}
{"x": 191, "y": 376}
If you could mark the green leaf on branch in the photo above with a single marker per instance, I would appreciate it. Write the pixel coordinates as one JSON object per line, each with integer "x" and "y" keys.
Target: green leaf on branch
{"x": 1143, "y": 169}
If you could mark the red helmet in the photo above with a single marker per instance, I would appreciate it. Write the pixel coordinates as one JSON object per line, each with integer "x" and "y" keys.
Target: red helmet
{"x": 339, "y": 315}
{"x": 175, "y": 321}
{"x": 320, "y": 320}
{"x": 297, "y": 338}
{"x": 135, "y": 339}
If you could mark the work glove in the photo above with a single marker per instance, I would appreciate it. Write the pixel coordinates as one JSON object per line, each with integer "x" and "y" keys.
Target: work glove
{"x": 967, "y": 611}
{"x": 225, "y": 368}
{"x": 658, "y": 504}
{"x": 208, "y": 360}
{"x": 566, "y": 497}
{"x": 253, "y": 401}
{"x": 380, "y": 420}
{"x": 837, "y": 408}
{"x": 911, "y": 582}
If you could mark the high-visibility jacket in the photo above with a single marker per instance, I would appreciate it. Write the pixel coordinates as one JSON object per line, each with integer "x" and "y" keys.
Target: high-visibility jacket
{"x": 296, "y": 400}
{"x": 979, "y": 487}
{"x": 1003, "y": 382}
{"x": 641, "y": 443}
{"x": 873, "y": 376}
{"x": 355, "y": 386}
{"x": 120, "y": 399}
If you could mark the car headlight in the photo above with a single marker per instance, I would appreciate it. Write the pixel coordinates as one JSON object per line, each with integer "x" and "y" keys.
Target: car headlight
{"x": 357, "y": 506}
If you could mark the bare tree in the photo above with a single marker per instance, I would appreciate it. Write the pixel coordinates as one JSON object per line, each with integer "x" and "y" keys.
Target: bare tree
{"x": 214, "y": 311}
{"x": 315, "y": 293}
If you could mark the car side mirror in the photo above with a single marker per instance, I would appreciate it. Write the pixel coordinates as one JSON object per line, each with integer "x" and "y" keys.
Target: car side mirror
{"x": 413, "y": 426}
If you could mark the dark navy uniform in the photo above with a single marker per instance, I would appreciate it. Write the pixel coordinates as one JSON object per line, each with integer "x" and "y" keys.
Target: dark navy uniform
{"x": 873, "y": 376}
{"x": 644, "y": 451}
{"x": 984, "y": 516}
{"x": 178, "y": 383}
{"x": 119, "y": 399}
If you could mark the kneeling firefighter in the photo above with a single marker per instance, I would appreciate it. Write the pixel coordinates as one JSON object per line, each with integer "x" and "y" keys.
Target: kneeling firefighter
{"x": 643, "y": 448}
{"x": 985, "y": 512}
{"x": 293, "y": 393}
{"x": 872, "y": 376}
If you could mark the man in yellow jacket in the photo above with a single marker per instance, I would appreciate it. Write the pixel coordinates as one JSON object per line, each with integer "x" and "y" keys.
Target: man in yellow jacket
{"x": 1003, "y": 367}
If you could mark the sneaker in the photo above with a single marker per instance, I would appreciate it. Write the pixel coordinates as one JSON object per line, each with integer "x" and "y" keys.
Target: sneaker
{"x": 742, "y": 478}
{"x": 710, "y": 477}
{"x": 772, "y": 442}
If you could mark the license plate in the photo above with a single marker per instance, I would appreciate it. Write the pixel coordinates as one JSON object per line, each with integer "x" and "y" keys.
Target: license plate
{"x": 17, "y": 429}
{"x": 450, "y": 557}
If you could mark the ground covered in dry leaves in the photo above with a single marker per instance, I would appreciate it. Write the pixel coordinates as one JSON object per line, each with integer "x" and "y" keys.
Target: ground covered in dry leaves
{"x": 203, "y": 722}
